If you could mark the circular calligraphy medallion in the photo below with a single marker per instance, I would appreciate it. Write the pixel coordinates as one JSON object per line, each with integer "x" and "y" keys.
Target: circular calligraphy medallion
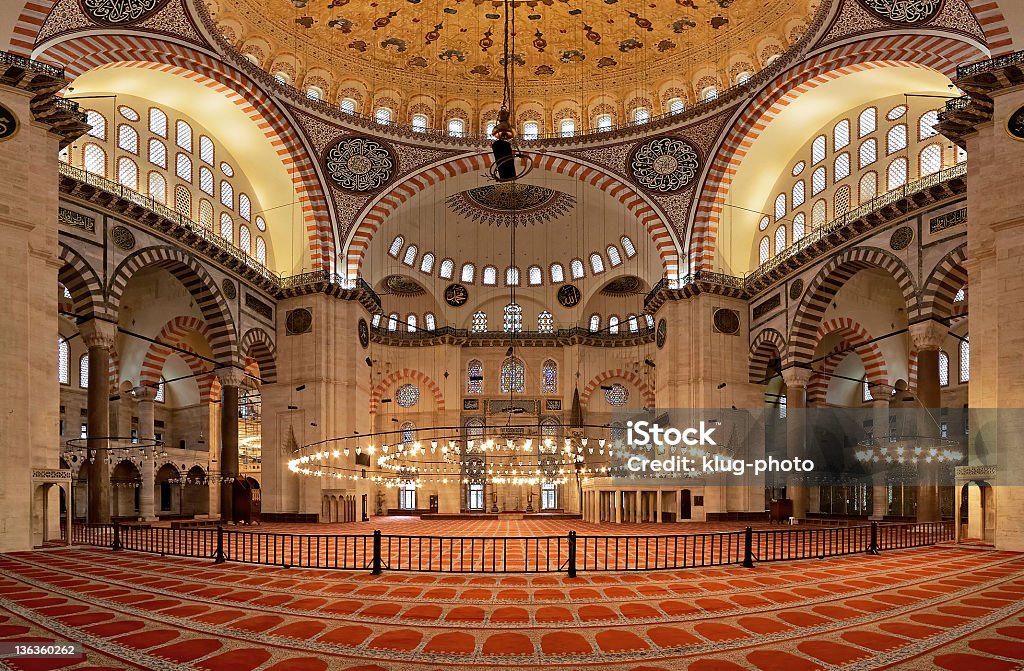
{"x": 364, "y": 333}
{"x": 904, "y": 12}
{"x": 120, "y": 12}
{"x": 665, "y": 164}
{"x": 569, "y": 295}
{"x": 456, "y": 295}
{"x": 359, "y": 164}
{"x": 1015, "y": 124}
{"x": 8, "y": 123}
{"x": 662, "y": 333}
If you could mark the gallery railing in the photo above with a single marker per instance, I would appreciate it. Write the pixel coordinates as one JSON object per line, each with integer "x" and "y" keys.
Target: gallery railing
{"x": 571, "y": 553}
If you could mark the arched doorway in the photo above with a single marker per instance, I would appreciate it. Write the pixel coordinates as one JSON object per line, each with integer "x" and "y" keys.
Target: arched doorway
{"x": 126, "y": 483}
{"x": 195, "y": 494}
{"x": 977, "y": 518}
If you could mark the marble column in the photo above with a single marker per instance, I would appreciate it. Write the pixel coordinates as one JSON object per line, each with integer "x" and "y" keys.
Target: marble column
{"x": 230, "y": 380}
{"x": 638, "y": 509}
{"x": 927, "y": 339}
{"x": 99, "y": 336}
{"x": 618, "y": 499}
{"x": 658, "y": 506}
{"x": 796, "y": 380}
{"x": 145, "y": 397}
{"x": 879, "y": 488}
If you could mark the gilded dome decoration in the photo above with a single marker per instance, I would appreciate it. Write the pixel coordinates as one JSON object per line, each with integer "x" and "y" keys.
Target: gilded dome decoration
{"x": 501, "y": 204}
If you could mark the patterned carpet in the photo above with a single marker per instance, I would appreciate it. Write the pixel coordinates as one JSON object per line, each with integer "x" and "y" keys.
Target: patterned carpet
{"x": 930, "y": 608}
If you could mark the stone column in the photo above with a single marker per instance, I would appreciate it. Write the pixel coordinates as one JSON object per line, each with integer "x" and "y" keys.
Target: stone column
{"x": 658, "y": 506}
{"x": 145, "y": 397}
{"x": 99, "y": 337}
{"x": 230, "y": 380}
{"x": 617, "y": 498}
{"x": 796, "y": 380}
{"x": 927, "y": 338}
{"x": 638, "y": 509}
{"x": 879, "y": 488}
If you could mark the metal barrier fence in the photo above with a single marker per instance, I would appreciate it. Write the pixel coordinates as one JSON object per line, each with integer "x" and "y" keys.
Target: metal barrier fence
{"x": 569, "y": 554}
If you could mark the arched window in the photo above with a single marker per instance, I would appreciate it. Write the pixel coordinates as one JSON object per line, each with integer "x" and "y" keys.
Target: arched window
{"x": 818, "y": 181}
{"x": 868, "y": 186}
{"x": 95, "y": 159}
{"x": 567, "y": 127}
{"x": 798, "y": 193}
{"x": 627, "y": 246}
{"x": 633, "y": 322}
{"x": 896, "y": 139}
{"x": 244, "y": 206}
{"x": 841, "y": 167}
{"x": 447, "y": 269}
{"x": 128, "y": 138}
{"x": 576, "y": 268}
{"x": 709, "y": 93}
{"x": 456, "y": 127}
{"x": 868, "y": 153}
{"x": 347, "y": 105}
{"x": 513, "y": 376}
{"x": 931, "y": 160}
{"x": 157, "y": 122}
{"x": 841, "y": 135}
{"x": 763, "y": 250}
{"x": 641, "y": 115}
{"x": 382, "y": 115}
{"x": 676, "y": 106}
{"x": 926, "y": 127}
{"x": 742, "y": 78}
{"x": 206, "y": 152}
{"x": 513, "y": 318}
{"x": 604, "y": 122}
{"x": 282, "y": 78}
{"x": 419, "y": 122}
{"x": 261, "y": 250}
{"x": 841, "y": 201}
{"x": 616, "y": 395}
{"x": 128, "y": 173}
{"x": 549, "y": 377}
{"x": 183, "y": 167}
{"x": 227, "y": 194}
{"x": 468, "y": 272}
{"x": 961, "y": 154}
{"x": 818, "y": 149}
{"x": 557, "y": 273}
{"x": 206, "y": 180}
{"x": 867, "y": 122}
{"x": 245, "y": 239}
{"x": 531, "y": 130}
{"x": 866, "y": 391}
{"x": 489, "y": 128}
{"x": 183, "y": 135}
{"x": 613, "y": 255}
{"x": 227, "y": 227}
{"x": 596, "y": 263}
{"x": 595, "y": 323}
{"x": 83, "y": 371}
{"x": 63, "y": 354}
{"x": 206, "y": 214}
{"x": 818, "y": 214}
{"x": 897, "y": 173}
{"x": 161, "y": 391}
{"x": 943, "y": 369}
{"x": 490, "y": 277}
{"x": 313, "y": 93}
{"x": 410, "y": 255}
{"x": 157, "y": 153}
{"x": 512, "y": 276}
{"x": 474, "y": 377}
{"x": 780, "y": 206}
{"x": 535, "y": 276}
{"x": 98, "y": 123}
{"x": 479, "y": 322}
{"x": 393, "y": 321}
{"x": 430, "y": 321}
{"x": 650, "y": 320}
{"x": 780, "y": 239}
{"x": 613, "y": 324}
{"x": 183, "y": 201}
{"x": 410, "y": 323}
{"x": 427, "y": 263}
{"x": 799, "y": 226}
{"x": 158, "y": 187}
{"x": 965, "y": 360}
{"x": 396, "y": 246}
{"x": 545, "y": 322}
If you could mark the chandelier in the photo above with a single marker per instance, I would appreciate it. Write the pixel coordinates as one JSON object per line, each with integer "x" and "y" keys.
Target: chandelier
{"x": 909, "y": 450}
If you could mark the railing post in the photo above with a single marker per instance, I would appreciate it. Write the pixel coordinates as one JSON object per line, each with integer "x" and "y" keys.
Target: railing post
{"x": 572, "y": 554}
{"x": 873, "y": 545}
{"x": 218, "y": 555}
{"x": 748, "y": 548}
{"x": 116, "y": 545}
{"x": 376, "y": 553}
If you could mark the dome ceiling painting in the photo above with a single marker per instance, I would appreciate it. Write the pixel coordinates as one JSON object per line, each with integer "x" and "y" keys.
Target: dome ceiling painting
{"x": 563, "y": 48}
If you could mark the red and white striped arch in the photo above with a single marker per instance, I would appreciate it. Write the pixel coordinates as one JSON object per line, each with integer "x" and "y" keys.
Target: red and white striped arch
{"x": 992, "y": 21}
{"x": 174, "y": 333}
{"x": 618, "y": 374}
{"x": 406, "y": 375}
{"x": 854, "y": 339}
{"x": 82, "y": 53}
{"x": 940, "y": 53}
{"x": 653, "y": 221}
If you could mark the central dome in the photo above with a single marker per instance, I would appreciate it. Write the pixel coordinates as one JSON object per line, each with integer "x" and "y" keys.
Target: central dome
{"x": 451, "y": 51}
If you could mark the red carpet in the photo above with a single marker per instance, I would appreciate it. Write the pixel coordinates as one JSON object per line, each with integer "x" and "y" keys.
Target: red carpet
{"x": 930, "y": 608}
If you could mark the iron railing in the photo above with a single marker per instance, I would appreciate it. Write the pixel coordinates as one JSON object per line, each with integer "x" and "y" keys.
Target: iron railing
{"x": 569, "y": 554}
{"x": 970, "y": 69}
{"x": 7, "y": 58}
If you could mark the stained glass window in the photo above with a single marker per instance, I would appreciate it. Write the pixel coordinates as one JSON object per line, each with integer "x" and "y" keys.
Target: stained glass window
{"x": 227, "y": 194}
{"x": 512, "y": 277}
{"x": 549, "y": 377}
{"x": 98, "y": 123}
{"x": 513, "y": 322}
{"x": 576, "y": 267}
{"x": 183, "y": 167}
{"x": 780, "y": 239}
{"x": 897, "y": 173}
{"x": 841, "y": 167}
{"x": 896, "y": 112}
{"x": 818, "y": 214}
{"x": 513, "y": 376}
{"x": 961, "y": 295}
{"x": 393, "y": 321}
{"x": 641, "y": 115}
{"x": 613, "y": 255}
{"x": 407, "y": 395}
{"x": 245, "y": 239}
{"x": 419, "y": 122}
{"x": 530, "y": 130}
{"x": 480, "y": 322}
{"x": 780, "y": 206}
{"x": 595, "y": 323}
{"x": 429, "y": 321}
{"x": 763, "y": 250}
{"x": 474, "y": 377}
{"x": 841, "y": 202}
{"x": 613, "y": 324}
{"x": 568, "y": 127}
{"x": 348, "y": 106}
{"x": 183, "y": 201}
{"x": 896, "y": 139}
{"x": 676, "y": 106}
{"x": 943, "y": 369}
{"x": 456, "y": 127}
{"x": 545, "y": 322}
{"x": 95, "y": 160}
{"x": 931, "y": 160}
{"x": 410, "y": 323}
{"x": 383, "y": 115}
{"x": 965, "y": 360}
{"x": 128, "y": 173}
{"x": 818, "y": 181}
{"x": 764, "y": 223}
{"x": 633, "y": 322}
{"x": 183, "y": 135}
{"x": 206, "y": 214}
{"x": 799, "y": 226}
{"x": 604, "y": 122}
{"x": 616, "y": 395}
{"x": 63, "y": 353}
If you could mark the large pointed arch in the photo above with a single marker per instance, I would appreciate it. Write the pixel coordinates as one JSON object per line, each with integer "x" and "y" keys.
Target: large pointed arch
{"x": 406, "y": 375}
{"x": 853, "y": 339}
{"x": 259, "y": 346}
{"x": 768, "y": 344}
{"x": 942, "y": 284}
{"x": 82, "y": 283}
{"x": 618, "y": 373}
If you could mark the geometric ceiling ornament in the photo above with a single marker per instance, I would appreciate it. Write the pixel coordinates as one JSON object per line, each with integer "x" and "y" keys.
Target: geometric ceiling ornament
{"x": 359, "y": 164}
{"x": 664, "y": 164}
{"x": 120, "y": 12}
{"x": 905, "y": 12}
{"x": 503, "y": 204}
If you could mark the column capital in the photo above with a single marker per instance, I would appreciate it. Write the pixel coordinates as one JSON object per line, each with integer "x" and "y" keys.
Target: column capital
{"x": 796, "y": 376}
{"x": 230, "y": 376}
{"x": 928, "y": 335}
{"x": 98, "y": 333}
{"x": 144, "y": 394}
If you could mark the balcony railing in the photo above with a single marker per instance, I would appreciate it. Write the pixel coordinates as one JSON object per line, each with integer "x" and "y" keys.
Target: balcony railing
{"x": 970, "y": 69}
{"x": 7, "y": 58}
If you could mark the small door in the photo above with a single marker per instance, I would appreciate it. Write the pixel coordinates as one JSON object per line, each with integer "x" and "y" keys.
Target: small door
{"x": 684, "y": 504}
{"x": 433, "y": 503}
